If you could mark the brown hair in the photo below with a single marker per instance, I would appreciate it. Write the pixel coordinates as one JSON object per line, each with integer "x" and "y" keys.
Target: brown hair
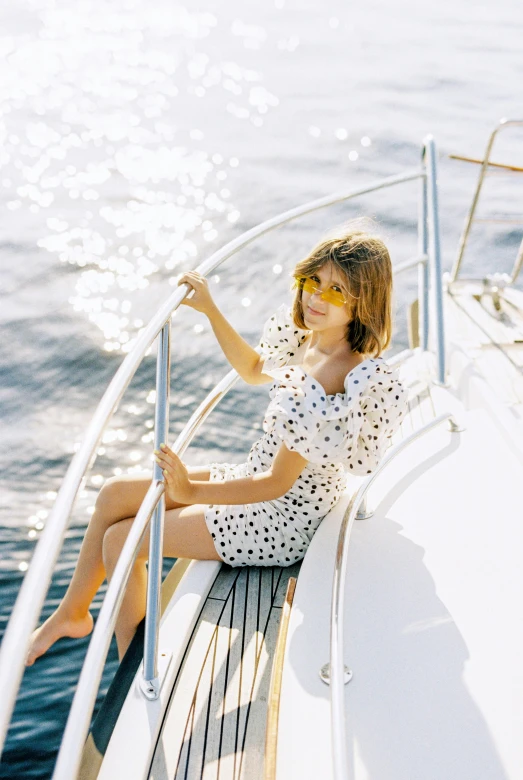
{"x": 364, "y": 261}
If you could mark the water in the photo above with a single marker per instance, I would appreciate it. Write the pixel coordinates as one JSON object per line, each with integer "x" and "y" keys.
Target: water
{"x": 138, "y": 137}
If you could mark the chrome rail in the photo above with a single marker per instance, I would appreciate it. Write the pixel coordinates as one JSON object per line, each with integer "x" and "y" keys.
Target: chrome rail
{"x": 32, "y": 593}
{"x": 150, "y": 681}
{"x": 429, "y": 244}
{"x": 336, "y": 668}
{"x": 430, "y": 196}
{"x": 79, "y": 719}
{"x": 502, "y": 125}
{"x": 517, "y": 264}
{"x": 33, "y": 590}
{"x": 423, "y": 270}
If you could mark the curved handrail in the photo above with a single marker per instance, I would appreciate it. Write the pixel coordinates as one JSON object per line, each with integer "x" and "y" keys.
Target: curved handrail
{"x": 27, "y": 608}
{"x": 79, "y": 718}
{"x": 338, "y": 716}
{"x": 502, "y": 125}
{"x": 32, "y": 593}
{"x": 83, "y": 702}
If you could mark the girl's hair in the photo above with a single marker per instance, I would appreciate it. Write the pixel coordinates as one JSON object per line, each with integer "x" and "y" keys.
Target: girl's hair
{"x": 364, "y": 261}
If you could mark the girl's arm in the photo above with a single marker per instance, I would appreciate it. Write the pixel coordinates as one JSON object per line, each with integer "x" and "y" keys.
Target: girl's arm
{"x": 266, "y": 486}
{"x": 242, "y": 357}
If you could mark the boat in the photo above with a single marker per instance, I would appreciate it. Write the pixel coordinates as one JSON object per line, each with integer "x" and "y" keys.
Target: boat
{"x": 392, "y": 650}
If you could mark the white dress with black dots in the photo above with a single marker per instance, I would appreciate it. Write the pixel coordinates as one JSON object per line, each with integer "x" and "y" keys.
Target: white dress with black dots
{"x": 338, "y": 434}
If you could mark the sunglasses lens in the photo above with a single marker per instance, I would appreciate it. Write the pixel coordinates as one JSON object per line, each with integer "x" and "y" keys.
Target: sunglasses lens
{"x": 334, "y": 297}
{"x": 310, "y": 286}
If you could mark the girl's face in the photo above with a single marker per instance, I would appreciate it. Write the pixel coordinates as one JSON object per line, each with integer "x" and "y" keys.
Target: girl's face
{"x": 320, "y": 314}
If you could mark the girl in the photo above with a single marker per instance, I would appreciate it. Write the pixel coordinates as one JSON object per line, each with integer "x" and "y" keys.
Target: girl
{"x": 334, "y": 402}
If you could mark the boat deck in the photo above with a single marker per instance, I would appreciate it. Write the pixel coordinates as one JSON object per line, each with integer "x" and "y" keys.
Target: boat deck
{"x": 221, "y": 625}
{"x": 216, "y": 718}
{"x": 215, "y": 725}
{"x": 491, "y": 332}
{"x": 431, "y": 631}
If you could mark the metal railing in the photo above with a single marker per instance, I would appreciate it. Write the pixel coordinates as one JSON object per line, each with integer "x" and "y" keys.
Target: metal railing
{"x": 430, "y": 205}
{"x": 429, "y": 246}
{"x": 337, "y": 670}
{"x": 32, "y": 593}
{"x": 503, "y": 125}
{"x": 69, "y": 755}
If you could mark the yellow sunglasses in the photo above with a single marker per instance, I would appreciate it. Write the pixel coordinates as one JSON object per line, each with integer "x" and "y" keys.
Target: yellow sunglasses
{"x": 307, "y": 284}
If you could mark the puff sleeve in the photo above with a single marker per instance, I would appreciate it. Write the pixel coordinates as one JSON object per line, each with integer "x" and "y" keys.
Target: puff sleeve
{"x": 280, "y": 338}
{"x": 383, "y": 405}
{"x": 350, "y": 428}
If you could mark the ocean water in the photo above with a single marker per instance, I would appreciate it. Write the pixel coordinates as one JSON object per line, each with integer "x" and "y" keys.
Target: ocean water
{"x": 136, "y": 138}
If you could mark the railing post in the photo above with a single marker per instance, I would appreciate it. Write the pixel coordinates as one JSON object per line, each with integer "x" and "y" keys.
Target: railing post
{"x": 435, "y": 256}
{"x": 150, "y": 684}
{"x": 472, "y": 210}
{"x": 517, "y": 265}
{"x": 335, "y": 672}
{"x": 423, "y": 269}
{"x": 503, "y": 123}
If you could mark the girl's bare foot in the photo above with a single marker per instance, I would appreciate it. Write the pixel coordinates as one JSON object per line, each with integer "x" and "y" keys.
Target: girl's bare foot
{"x": 55, "y": 627}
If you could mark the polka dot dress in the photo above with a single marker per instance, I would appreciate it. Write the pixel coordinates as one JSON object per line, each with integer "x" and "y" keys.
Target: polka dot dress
{"x": 338, "y": 434}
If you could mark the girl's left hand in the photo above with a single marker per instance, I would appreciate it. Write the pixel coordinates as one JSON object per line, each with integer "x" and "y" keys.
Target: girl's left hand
{"x": 178, "y": 486}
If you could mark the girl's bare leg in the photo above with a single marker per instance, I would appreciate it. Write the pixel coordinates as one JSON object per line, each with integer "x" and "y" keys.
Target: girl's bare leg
{"x": 119, "y": 498}
{"x": 185, "y": 536}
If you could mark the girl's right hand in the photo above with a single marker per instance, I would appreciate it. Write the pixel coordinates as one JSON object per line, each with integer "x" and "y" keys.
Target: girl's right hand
{"x": 201, "y": 298}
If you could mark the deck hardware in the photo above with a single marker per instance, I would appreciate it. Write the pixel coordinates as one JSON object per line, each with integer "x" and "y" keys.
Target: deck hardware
{"x": 494, "y": 285}
{"x": 445, "y": 385}
{"x": 455, "y": 426}
{"x": 325, "y": 674}
{"x": 364, "y": 513}
{"x": 151, "y": 688}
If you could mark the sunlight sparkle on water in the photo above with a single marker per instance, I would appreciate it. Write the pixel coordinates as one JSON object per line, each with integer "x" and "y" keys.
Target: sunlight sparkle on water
{"x": 114, "y": 137}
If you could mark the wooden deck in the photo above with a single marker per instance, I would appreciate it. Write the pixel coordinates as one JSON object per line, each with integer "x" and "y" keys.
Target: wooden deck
{"x": 216, "y": 718}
